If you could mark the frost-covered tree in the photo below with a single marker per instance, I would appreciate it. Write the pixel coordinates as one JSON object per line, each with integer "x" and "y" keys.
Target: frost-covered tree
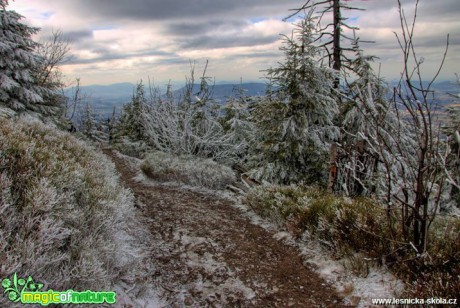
{"x": 333, "y": 37}
{"x": 295, "y": 123}
{"x": 88, "y": 122}
{"x": 238, "y": 128}
{"x": 364, "y": 110}
{"x": 452, "y": 130}
{"x": 53, "y": 51}
{"x": 190, "y": 125}
{"x": 111, "y": 125}
{"x": 131, "y": 123}
{"x": 19, "y": 90}
{"x": 425, "y": 180}
{"x": 401, "y": 155}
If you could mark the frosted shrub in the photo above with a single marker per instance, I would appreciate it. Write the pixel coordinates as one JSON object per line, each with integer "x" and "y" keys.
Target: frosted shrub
{"x": 188, "y": 170}
{"x": 63, "y": 211}
{"x": 295, "y": 204}
{"x": 337, "y": 221}
{"x": 348, "y": 226}
{"x": 131, "y": 148}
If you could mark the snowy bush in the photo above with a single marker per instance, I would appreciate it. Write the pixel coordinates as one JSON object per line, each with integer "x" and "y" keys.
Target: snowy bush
{"x": 188, "y": 129}
{"x": 188, "y": 170}
{"x": 64, "y": 216}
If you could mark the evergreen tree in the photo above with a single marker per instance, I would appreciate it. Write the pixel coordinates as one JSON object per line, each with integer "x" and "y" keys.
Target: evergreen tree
{"x": 18, "y": 88}
{"x": 111, "y": 125}
{"x": 334, "y": 36}
{"x": 131, "y": 120}
{"x": 88, "y": 124}
{"x": 364, "y": 110}
{"x": 296, "y": 122}
{"x": 238, "y": 129}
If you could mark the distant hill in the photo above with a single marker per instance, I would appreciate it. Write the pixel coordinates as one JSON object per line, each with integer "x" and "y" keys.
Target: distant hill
{"x": 104, "y": 98}
{"x": 444, "y": 92}
{"x": 116, "y": 90}
{"x": 125, "y": 90}
{"x": 221, "y": 92}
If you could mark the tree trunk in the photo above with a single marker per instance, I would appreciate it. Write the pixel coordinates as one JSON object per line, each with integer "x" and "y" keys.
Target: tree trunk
{"x": 332, "y": 167}
{"x": 337, "y": 61}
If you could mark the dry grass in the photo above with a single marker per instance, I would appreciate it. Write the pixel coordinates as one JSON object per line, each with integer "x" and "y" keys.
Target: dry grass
{"x": 127, "y": 147}
{"x": 360, "y": 228}
{"x": 63, "y": 215}
{"x": 187, "y": 169}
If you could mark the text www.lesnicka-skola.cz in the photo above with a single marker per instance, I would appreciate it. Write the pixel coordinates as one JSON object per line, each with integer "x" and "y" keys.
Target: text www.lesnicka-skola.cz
{"x": 414, "y": 301}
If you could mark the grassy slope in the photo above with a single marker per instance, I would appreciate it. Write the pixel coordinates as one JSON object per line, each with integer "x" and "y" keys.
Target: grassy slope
{"x": 63, "y": 214}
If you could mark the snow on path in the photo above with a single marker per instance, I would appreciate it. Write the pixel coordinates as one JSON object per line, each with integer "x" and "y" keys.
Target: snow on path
{"x": 206, "y": 254}
{"x": 209, "y": 250}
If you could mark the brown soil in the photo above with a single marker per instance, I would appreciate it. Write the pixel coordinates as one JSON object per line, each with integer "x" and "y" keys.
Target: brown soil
{"x": 206, "y": 254}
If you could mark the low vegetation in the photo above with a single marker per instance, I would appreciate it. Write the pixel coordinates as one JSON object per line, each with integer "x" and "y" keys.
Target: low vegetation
{"x": 358, "y": 229}
{"x": 127, "y": 147}
{"x": 65, "y": 219}
{"x": 188, "y": 170}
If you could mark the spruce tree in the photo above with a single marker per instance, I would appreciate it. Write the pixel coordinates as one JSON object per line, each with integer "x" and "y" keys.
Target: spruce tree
{"x": 18, "y": 88}
{"x": 238, "y": 129}
{"x": 131, "y": 120}
{"x": 364, "y": 111}
{"x": 296, "y": 122}
{"x": 88, "y": 122}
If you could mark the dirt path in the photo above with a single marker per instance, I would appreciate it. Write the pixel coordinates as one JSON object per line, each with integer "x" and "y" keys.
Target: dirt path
{"x": 206, "y": 254}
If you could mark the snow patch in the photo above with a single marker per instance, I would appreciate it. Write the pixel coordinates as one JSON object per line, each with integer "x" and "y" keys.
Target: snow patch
{"x": 378, "y": 284}
{"x": 215, "y": 281}
{"x": 135, "y": 297}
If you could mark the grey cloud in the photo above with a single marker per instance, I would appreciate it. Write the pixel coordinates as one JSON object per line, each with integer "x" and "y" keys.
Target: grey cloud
{"x": 192, "y": 24}
{"x": 267, "y": 54}
{"x": 184, "y": 28}
{"x": 208, "y": 41}
{"x": 436, "y": 41}
{"x": 172, "y": 9}
{"x": 107, "y": 55}
{"x": 427, "y": 10}
{"x": 70, "y": 36}
{"x": 78, "y": 36}
{"x": 173, "y": 61}
{"x": 445, "y": 8}
{"x": 260, "y": 56}
{"x": 215, "y": 34}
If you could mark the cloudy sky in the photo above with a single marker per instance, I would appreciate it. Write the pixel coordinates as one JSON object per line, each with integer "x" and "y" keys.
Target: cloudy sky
{"x": 125, "y": 41}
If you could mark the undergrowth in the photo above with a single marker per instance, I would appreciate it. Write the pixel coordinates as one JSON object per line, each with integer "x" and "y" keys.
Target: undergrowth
{"x": 127, "y": 147}
{"x": 187, "y": 169}
{"x": 64, "y": 217}
{"x": 362, "y": 231}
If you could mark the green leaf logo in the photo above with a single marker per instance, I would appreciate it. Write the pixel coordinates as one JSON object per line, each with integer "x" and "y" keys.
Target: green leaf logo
{"x": 15, "y": 287}
{"x": 6, "y": 283}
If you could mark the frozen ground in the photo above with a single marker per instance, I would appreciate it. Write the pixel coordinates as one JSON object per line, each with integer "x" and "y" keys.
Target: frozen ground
{"x": 208, "y": 249}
